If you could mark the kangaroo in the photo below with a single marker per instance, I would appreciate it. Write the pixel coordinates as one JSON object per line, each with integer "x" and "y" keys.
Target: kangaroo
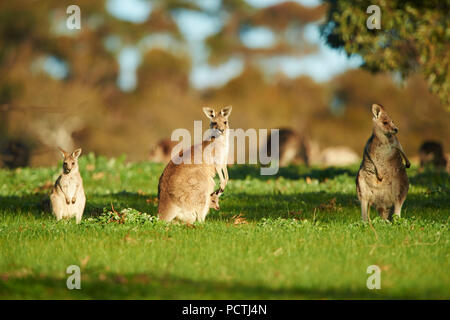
{"x": 293, "y": 147}
{"x": 215, "y": 199}
{"x": 185, "y": 189}
{"x": 382, "y": 180}
{"x": 67, "y": 198}
{"x": 432, "y": 152}
{"x": 162, "y": 151}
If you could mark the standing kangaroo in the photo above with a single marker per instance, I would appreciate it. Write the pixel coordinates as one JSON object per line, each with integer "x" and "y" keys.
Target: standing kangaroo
{"x": 382, "y": 180}
{"x": 67, "y": 197}
{"x": 185, "y": 190}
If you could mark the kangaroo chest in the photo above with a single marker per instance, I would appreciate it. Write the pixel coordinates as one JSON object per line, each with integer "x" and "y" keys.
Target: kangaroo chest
{"x": 69, "y": 184}
{"x": 221, "y": 149}
{"x": 388, "y": 163}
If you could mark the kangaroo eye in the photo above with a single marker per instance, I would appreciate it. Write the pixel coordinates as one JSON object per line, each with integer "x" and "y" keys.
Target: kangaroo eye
{"x": 73, "y": 163}
{"x": 226, "y": 122}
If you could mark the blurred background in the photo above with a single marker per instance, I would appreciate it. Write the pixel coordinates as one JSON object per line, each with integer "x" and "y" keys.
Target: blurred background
{"x": 138, "y": 69}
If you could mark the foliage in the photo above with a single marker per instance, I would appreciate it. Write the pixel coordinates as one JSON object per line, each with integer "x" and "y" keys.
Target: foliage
{"x": 414, "y": 37}
{"x": 87, "y": 109}
{"x": 125, "y": 216}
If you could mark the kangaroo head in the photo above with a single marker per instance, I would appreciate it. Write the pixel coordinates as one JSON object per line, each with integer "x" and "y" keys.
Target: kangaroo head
{"x": 70, "y": 163}
{"x": 215, "y": 200}
{"x": 218, "y": 121}
{"x": 382, "y": 122}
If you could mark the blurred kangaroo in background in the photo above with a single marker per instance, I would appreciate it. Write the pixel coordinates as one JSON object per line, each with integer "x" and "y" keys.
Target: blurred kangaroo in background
{"x": 162, "y": 151}
{"x": 185, "y": 189}
{"x": 382, "y": 180}
{"x": 67, "y": 198}
{"x": 432, "y": 153}
{"x": 292, "y": 147}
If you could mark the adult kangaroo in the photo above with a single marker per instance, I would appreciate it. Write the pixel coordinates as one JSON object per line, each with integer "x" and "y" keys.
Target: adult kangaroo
{"x": 185, "y": 189}
{"x": 382, "y": 180}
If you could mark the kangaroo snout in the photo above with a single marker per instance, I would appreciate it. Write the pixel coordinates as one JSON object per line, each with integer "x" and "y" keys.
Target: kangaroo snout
{"x": 66, "y": 169}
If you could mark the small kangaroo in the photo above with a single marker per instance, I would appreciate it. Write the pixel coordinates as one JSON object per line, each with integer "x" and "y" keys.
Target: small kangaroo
{"x": 67, "y": 198}
{"x": 215, "y": 199}
{"x": 185, "y": 190}
{"x": 382, "y": 180}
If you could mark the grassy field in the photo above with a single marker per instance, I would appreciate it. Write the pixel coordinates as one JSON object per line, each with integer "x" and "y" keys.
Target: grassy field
{"x": 292, "y": 236}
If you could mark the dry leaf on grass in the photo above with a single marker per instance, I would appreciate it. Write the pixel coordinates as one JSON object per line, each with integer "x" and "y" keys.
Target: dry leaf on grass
{"x": 98, "y": 175}
{"x": 189, "y": 225}
{"x": 129, "y": 239}
{"x": 153, "y": 201}
{"x": 295, "y": 215}
{"x": 385, "y": 267}
{"x": 239, "y": 219}
{"x": 141, "y": 193}
{"x": 278, "y": 252}
{"x": 85, "y": 261}
{"x": 332, "y": 205}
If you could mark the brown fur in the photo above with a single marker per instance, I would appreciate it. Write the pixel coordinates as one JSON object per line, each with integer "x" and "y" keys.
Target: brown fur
{"x": 162, "y": 151}
{"x": 185, "y": 190}
{"x": 432, "y": 153}
{"x": 293, "y": 147}
{"x": 67, "y": 198}
{"x": 382, "y": 180}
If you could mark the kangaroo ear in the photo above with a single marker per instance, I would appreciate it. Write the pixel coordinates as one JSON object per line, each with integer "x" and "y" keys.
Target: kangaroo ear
{"x": 225, "y": 112}
{"x": 76, "y": 153}
{"x": 63, "y": 153}
{"x": 210, "y": 113}
{"x": 376, "y": 110}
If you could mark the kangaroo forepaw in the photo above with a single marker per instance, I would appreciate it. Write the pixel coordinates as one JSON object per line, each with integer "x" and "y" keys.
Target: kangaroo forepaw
{"x": 74, "y": 199}
{"x": 408, "y": 165}
{"x": 67, "y": 200}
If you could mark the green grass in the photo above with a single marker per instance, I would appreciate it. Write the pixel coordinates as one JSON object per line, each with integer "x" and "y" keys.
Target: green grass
{"x": 297, "y": 241}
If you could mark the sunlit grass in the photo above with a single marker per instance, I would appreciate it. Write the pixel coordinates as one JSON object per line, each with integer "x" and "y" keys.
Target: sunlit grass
{"x": 294, "y": 235}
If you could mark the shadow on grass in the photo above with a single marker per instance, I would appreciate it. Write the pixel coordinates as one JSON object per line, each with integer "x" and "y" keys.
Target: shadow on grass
{"x": 256, "y": 207}
{"x": 240, "y": 172}
{"x": 38, "y": 204}
{"x": 148, "y": 286}
{"x": 432, "y": 180}
{"x": 323, "y": 206}
{"x": 301, "y": 206}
